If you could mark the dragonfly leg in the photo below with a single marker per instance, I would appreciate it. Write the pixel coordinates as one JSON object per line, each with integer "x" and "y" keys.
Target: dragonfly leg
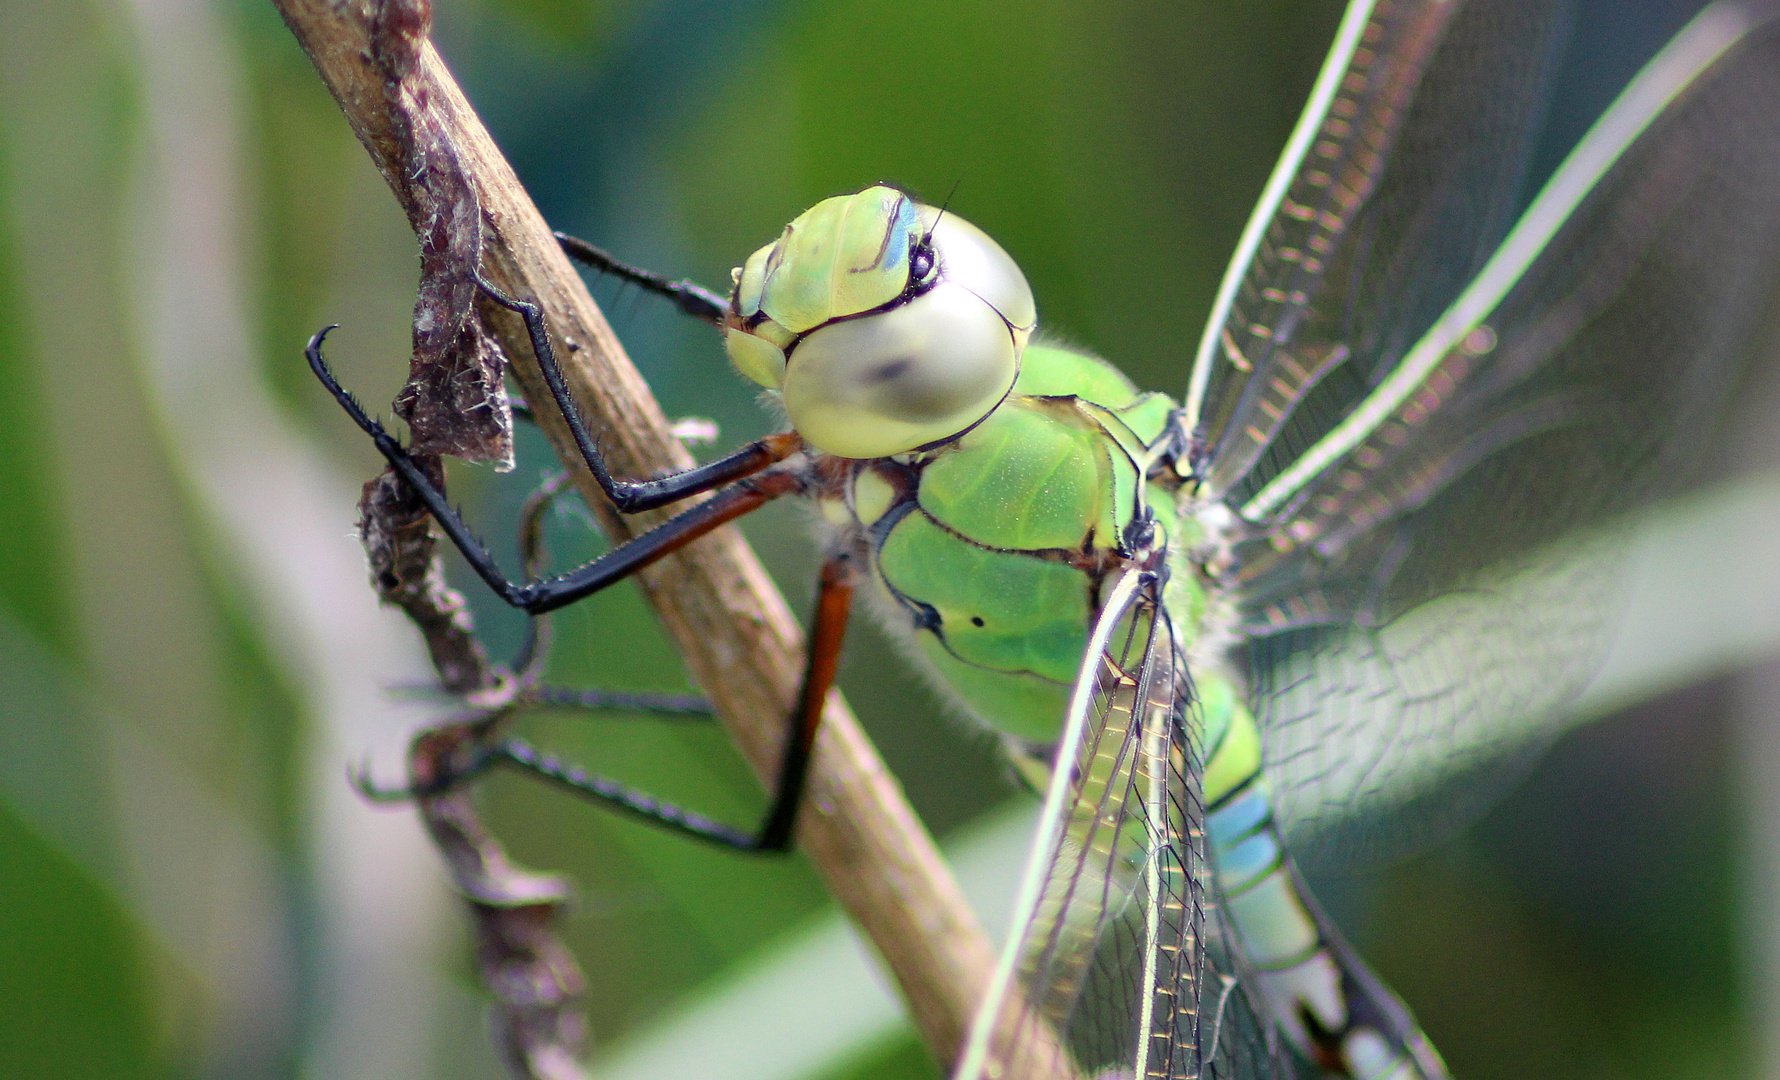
{"x": 478, "y": 736}
{"x": 834, "y": 601}
{"x": 833, "y": 604}
{"x": 531, "y": 653}
{"x": 523, "y": 756}
{"x": 694, "y": 300}
{"x": 480, "y": 759}
{"x": 686, "y": 706}
{"x": 536, "y": 597}
{"x": 631, "y": 496}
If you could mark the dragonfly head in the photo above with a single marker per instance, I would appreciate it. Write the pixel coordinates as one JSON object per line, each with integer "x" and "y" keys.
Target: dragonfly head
{"x": 885, "y": 325}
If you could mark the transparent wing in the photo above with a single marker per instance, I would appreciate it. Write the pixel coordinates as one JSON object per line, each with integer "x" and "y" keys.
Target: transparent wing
{"x": 1431, "y": 580}
{"x": 1400, "y": 178}
{"x": 1118, "y": 967}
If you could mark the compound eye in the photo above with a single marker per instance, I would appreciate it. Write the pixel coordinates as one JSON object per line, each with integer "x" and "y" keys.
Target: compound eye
{"x": 969, "y": 257}
{"x": 902, "y": 378}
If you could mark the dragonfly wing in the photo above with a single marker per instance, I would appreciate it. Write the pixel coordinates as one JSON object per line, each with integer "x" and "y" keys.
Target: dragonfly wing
{"x": 1108, "y": 973}
{"x": 1380, "y": 739}
{"x": 1434, "y": 579}
{"x": 1399, "y": 180}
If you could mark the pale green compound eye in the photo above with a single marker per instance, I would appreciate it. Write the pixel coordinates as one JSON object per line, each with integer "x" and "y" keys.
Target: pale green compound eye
{"x": 825, "y": 315}
{"x": 902, "y": 378}
{"x": 968, "y": 257}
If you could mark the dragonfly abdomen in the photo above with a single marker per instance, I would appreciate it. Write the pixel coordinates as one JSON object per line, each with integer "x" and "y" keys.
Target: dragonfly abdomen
{"x": 1318, "y": 992}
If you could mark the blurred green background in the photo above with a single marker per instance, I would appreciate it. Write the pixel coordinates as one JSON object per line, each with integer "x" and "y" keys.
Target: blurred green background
{"x": 190, "y": 659}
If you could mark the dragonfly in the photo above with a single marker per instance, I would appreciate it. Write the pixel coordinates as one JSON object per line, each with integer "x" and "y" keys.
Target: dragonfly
{"x": 1380, "y": 528}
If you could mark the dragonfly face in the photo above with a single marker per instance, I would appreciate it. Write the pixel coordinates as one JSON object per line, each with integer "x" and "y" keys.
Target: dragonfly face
{"x": 884, "y": 325}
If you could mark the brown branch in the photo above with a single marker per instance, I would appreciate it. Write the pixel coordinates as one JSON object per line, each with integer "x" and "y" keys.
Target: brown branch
{"x": 739, "y": 640}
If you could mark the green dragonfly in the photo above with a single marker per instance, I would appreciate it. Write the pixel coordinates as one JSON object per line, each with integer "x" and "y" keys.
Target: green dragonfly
{"x": 1380, "y": 524}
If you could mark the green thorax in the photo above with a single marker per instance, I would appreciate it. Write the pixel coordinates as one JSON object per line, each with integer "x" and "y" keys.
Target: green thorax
{"x": 994, "y": 546}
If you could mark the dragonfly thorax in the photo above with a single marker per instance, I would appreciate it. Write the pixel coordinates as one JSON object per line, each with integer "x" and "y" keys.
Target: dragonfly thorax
{"x": 884, "y": 325}
{"x": 989, "y": 554}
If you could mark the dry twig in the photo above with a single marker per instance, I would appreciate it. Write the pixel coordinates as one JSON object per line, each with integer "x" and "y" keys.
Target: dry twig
{"x": 536, "y": 983}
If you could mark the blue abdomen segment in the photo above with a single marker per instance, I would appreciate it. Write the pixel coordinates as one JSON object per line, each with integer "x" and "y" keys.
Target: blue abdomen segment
{"x": 1304, "y": 978}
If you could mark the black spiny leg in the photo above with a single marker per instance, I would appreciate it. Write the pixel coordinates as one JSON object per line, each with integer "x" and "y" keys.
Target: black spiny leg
{"x": 695, "y": 300}
{"x": 682, "y": 706}
{"x": 833, "y": 602}
{"x": 632, "y": 496}
{"x": 537, "y": 597}
{"x": 827, "y": 633}
{"x": 520, "y": 689}
{"x": 832, "y": 606}
{"x": 746, "y": 492}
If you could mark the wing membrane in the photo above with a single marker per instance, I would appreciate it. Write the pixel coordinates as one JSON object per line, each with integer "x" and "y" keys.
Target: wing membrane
{"x": 1110, "y": 972}
{"x": 1398, "y": 182}
{"x": 1433, "y": 589}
